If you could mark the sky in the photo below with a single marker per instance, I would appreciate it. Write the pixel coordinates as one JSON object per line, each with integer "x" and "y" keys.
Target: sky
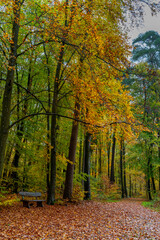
{"x": 150, "y": 23}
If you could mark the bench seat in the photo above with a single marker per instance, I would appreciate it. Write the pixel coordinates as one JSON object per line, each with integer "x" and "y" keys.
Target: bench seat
{"x": 32, "y": 195}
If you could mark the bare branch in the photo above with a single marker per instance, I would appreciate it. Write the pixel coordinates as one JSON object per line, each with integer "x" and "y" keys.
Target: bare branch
{"x": 31, "y": 95}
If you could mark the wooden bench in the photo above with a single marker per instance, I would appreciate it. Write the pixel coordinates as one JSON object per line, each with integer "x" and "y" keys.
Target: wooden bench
{"x": 29, "y": 202}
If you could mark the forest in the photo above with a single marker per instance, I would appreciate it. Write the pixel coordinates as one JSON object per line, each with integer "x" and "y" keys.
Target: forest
{"x": 79, "y": 106}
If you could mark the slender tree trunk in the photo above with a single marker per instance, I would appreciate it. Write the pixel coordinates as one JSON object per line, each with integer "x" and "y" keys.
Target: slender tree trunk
{"x": 148, "y": 170}
{"x": 135, "y": 187}
{"x": 121, "y": 167}
{"x": 20, "y": 132}
{"x": 151, "y": 167}
{"x": 108, "y": 154}
{"x": 100, "y": 160}
{"x": 124, "y": 172}
{"x": 149, "y": 189}
{"x": 9, "y": 151}
{"x": 83, "y": 163}
{"x": 159, "y": 177}
{"x": 48, "y": 119}
{"x": 24, "y": 184}
{"x": 96, "y": 161}
{"x": 152, "y": 178}
{"x": 48, "y": 155}
{"x": 112, "y": 176}
{"x": 72, "y": 153}
{"x": 130, "y": 185}
{"x": 52, "y": 184}
{"x": 14, "y": 173}
{"x": 148, "y": 180}
{"x": 6, "y": 105}
{"x": 80, "y": 155}
{"x": 159, "y": 158}
{"x": 87, "y": 191}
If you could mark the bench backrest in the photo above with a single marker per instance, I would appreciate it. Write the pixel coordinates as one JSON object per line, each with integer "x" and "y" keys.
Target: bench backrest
{"x": 30, "y": 194}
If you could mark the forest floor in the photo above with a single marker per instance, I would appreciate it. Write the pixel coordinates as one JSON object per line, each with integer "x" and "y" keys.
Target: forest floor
{"x": 90, "y": 220}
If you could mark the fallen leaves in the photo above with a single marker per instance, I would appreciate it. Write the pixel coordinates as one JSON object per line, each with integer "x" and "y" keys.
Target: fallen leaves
{"x": 87, "y": 220}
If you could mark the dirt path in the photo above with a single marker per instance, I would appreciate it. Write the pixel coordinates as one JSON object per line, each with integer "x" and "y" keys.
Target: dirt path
{"x": 88, "y": 220}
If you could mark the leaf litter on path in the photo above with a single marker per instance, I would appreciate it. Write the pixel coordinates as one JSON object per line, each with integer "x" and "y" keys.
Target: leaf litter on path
{"x": 90, "y": 220}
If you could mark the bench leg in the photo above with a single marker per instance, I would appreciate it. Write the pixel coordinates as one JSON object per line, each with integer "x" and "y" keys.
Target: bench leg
{"x": 26, "y": 204}
{"x": 39, "y": 204}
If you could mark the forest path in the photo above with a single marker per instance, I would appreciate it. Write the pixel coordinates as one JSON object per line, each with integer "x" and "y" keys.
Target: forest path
{"x": 88, "y": 220}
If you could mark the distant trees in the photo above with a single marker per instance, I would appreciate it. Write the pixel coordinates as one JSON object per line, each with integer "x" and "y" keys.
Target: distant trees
{"x": 145, "y": 89}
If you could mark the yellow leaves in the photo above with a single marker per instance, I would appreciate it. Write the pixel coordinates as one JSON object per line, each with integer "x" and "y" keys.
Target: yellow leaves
{"x": 11, "y": 68}
{"x": 93, "y": 32}
{"x": 102, "y": 98}
{"x": 63, "y": 159}
{"x": 48, "y": 144}
{"x": 5, "y": 35}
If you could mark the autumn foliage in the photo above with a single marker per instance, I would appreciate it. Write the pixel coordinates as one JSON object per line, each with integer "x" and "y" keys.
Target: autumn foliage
{"x": 67, "y": 113}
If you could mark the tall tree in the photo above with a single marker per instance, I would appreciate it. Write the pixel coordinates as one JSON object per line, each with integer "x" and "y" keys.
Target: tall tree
{"x": 20, "y": 126}
{"x": 72, "y": 153}
{"x": 87, "y": 153}
{"x": 112, "y": 175}
{"x": 52, "y": 186}
{"x": 124, "y": 169}
{"x": 7, "y": 96}
{"x": 121, "y": 167}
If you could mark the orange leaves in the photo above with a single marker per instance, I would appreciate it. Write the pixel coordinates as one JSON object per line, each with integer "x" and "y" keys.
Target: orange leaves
{"x": 85, "y": 220}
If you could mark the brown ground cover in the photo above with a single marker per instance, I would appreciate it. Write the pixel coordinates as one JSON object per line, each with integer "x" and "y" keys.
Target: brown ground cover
{"x": 88, "y": 220}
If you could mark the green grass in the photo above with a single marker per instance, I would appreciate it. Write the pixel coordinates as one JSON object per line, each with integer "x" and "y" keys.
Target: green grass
{"x": 148, "y": 204}
{"x": 154, "y": 205}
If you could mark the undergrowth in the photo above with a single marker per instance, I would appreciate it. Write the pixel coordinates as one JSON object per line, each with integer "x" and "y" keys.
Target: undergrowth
{"x": 154, "y": 205}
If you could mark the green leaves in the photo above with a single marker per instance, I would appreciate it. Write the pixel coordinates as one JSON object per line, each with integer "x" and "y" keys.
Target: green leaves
{"x": 146, "y": 48}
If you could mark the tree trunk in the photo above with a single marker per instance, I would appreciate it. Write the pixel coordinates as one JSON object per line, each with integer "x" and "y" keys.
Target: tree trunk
{"x": 9, "y": 151}
{"x": 121, "y": 167}
{"x": 149, "y": 189}
{"x": 6, "y": 105}
{"x": 68, "y": 188}
{"x": 151, "y": 167}
{"x": 108, "y": 154}
{"x": 148, "y": 180}
{"x": 130, "y": 186}
{"x": 152, "y": 178}
{"x": 87, "y": 191}
{"x": 135, "y": 188}
{"x": 124, "y": 172}
{"x": 20, "y": 133}
{"x": 159, "y": 178}
{"x": 48, "y": 118}
{"x": 159, "y": 158}
{"x": 112, "y": 176}
{"x": 100, "y": 160}
{"x": 52, "y": 184}
{"x": 14, "y": 173}
{"x": 24, "y": 184}
{"x": 72, "y": 153}
{"x": 80, "y": 155}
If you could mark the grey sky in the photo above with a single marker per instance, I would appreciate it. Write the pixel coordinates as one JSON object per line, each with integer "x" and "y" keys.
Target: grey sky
{"x": 150, "y": 23}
